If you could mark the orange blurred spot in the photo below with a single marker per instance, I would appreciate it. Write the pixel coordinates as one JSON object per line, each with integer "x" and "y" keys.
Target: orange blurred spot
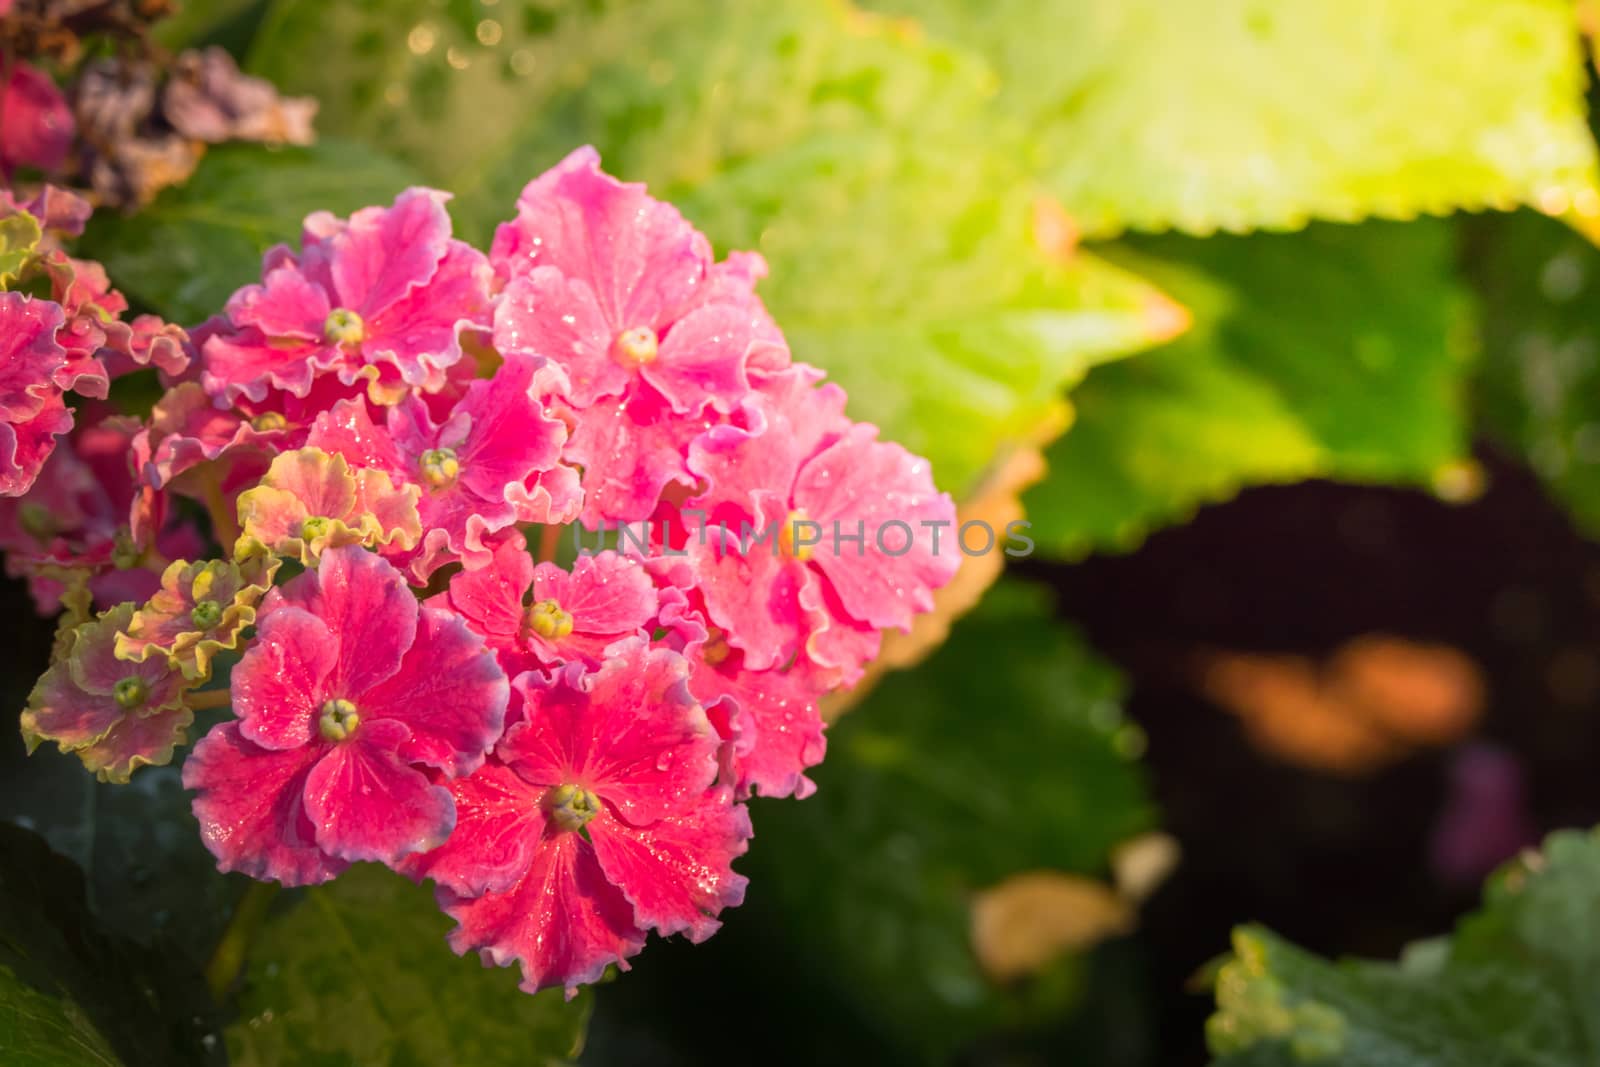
{"x": 1376, "y": 700}
{"x": 1025, "y": 922}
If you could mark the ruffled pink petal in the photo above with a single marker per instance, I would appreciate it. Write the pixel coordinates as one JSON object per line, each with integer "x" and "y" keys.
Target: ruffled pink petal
{"x": 281, "y": 682}
{"x": 420, "y": 333}
{"x": 251, "y": 807}
{"x": 640, "y": 257}
{"x": 248, "y": 363}
{"x": 36, "y": 125}
{"x": 286, "y": 305}
{"x": 366, "y": 606}
{"x": 449, "y": 692}
{"x": 563, "y": 921}
{"x": 511, "y": 439}
{"x": 383, "y": 254}
{"x": 25, "y": 446}
{"x": 546, "y": 314}
{"x": 677, "y": 872}
{"x": 29, "y": 355}
{"x": 137, "y": 741}
{"x": 754, "y": 593}
{"x": 778, "y": 729}
{"x": 630, "y": 732}
{"x": 490, "y": 598}
{"x": 862, "y": 485}
{"x": 630, "y": 451}
{"x": 368, "y": 804}
{"x": 608, "y": 596}
{"x": 347, "y": 429}
{"x": 702, "y": 358}
{"x": 498, "y": 825}
{"x": 551, "y": 498}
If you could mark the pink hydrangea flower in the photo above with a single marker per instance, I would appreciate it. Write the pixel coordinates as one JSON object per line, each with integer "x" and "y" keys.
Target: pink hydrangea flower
{"x": 384, "y": 296}
{"x": 618, "y": 288}
{"x": 802, "y": 473}
{"x": 545, "y": 616}
{"x": 36, "y": 122}
{"x": 310, "y": 501}
{"x": 32, "y": 413}
{"x": 492, "y": 462}
{"x": 350, "y": 689}
{"x": 114, "y": 715}
{"x": 599, "y": 819}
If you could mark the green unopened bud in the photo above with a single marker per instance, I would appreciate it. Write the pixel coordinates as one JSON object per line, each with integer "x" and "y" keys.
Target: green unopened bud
{"x": 314, "y": 527}
{"x": 206, "y": 614}
{"x": 571, "y": 807}
{"x": 130, "y": 693}
{"x": 36, "y": 521}
{"x": 549, "y": 621}
{"x": 339, "y": 719}
{"x": 268, "y": 421}
{"x": 344, "y": 327}
{"x": 440, "y": 467}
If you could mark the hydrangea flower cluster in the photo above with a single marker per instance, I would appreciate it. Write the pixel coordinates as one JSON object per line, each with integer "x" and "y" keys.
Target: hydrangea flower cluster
{"x": 562, "y": 738}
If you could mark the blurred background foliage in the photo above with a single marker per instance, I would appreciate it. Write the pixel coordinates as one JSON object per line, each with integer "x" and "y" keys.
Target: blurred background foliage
{"x": 1177, "y": 251}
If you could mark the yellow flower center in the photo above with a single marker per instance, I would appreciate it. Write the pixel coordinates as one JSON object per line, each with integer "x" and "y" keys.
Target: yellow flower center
{"x": 344, "y": 327}
{"x": 789, "y": 536}
{"x": 314, "y": 527}
{"x": 440, "y": 467}
{"x": 268, "y": 421}
{"x": 339, "y": 719}
{"x": 636, "y": 347}
{"x": 571, "y": 807}
{"x": 549, "y": 621}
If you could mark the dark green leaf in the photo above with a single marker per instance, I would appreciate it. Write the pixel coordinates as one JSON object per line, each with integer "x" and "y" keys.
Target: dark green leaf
{"x": 185, "y": 254}
{"x": 1517, "y": 986}
{"x": 1006, "y": 752}
{"x": 357, "y": 972}
{"x": 1340, "y": 352}
{"x": 72, "y": 993}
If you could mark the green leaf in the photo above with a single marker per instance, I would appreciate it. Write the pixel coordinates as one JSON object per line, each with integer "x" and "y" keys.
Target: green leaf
{"x": 1539, "y": 389}
{"x": 70, "y": 992}
{"x": 1268, "y": 113}
{"x": 185, "y": 254}
{"x": 358, "y": 972}
{"x": 1340, "y": 352}
{"x": 1517, "y": 986}
{"x": 870, "y": 169}
{"x": 1005, "y": 753}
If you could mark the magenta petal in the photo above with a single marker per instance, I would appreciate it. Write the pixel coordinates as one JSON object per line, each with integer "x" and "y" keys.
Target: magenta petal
{"x": 250, "y": 805}
{"x": 862, "y": 485}
{"x": 420, "y": 334}
{"x": 630, "y": 451}
{"x": 779, "y": 731}
{"x": 366, "y": 606}
{"x": 498, "y": 825}
{"x": 562, "y": 920}
{"x": 367, "y": 804}
{"x": 490, "y": 598}
{"x": 630, "y": 732}
{"x": 678, "y": 871}
{"x": 753, "y": 593}
{"x": 547, "y": 314}
{"x": 246, "y": 363}
{"x": 286, "y": 304}
{"x": 348, "y": 430}
{"x": 702, "y": 358}
{"x": 281, "y": 682}
{"x": 449, "y": 692}
{"x": 608, "y": 597}
{"x": 384, "y": 253}
{"x": 37, "y": 121}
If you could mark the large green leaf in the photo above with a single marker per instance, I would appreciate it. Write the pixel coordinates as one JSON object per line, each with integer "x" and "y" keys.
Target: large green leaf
{"x": 186, "y": 253}
{"x": 1242, "y": 114}
{"x": 1338, "y": 352}
{"x": 72, "y": 993}
{"x": 358, "y": 972}
{"x": 1539, "y": 390}
{"x": 890, "y": 199}
{"x": 1006, "y": 752}
{"x": 1517, "y": 986}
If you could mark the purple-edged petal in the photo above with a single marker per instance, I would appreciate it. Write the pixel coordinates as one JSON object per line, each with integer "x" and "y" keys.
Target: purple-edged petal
{"x": 369, "y": 612}
{"x": 368, "y": 804}
{"x": 282, "y": 681}
{"x": 498, "y": 825}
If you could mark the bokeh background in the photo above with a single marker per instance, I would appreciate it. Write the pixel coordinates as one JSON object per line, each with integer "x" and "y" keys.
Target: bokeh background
{"x": 1277, "y": 319}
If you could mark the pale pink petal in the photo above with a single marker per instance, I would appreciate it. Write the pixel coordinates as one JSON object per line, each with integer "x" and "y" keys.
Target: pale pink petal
{"x": 250, "y": 803}
{"x": 702, "y": 358}
{"x": 549, "y": 315}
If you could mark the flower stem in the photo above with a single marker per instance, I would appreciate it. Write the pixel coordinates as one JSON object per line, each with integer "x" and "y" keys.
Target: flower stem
{"x": 209, "y": 699}
{"x": 228, "y": 958}
{"x": 223, "y": 524}
{"x": 549, "y": 543}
